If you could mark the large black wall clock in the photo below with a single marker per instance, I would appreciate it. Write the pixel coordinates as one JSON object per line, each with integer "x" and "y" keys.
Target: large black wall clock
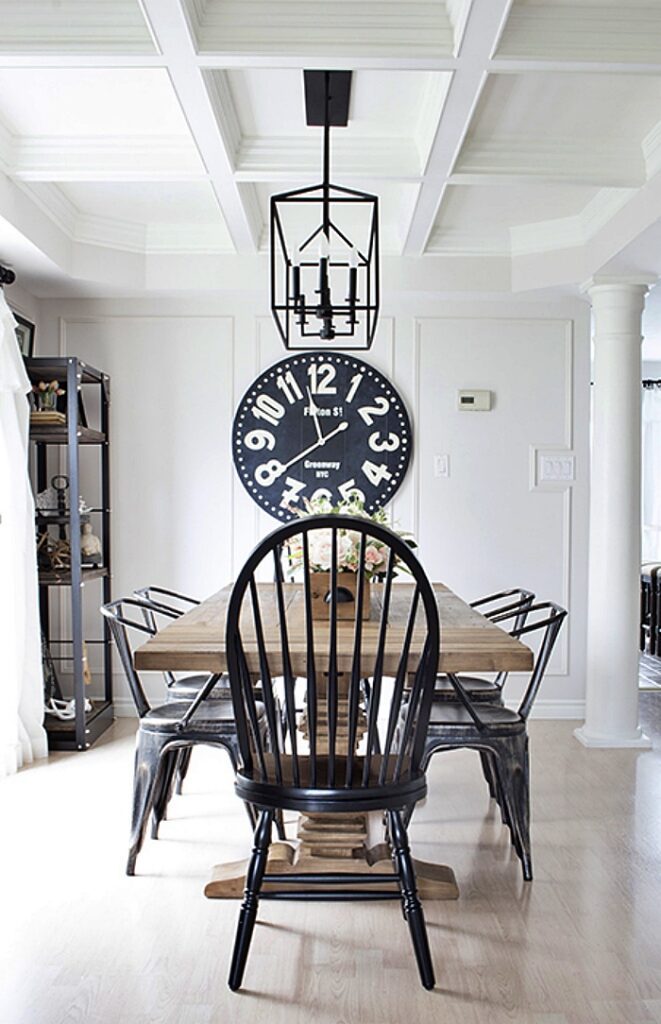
{"x": 321, "y": 423}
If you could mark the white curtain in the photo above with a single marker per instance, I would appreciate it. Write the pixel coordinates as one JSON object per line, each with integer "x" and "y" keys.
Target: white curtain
{"x": 22, "y": 735}
{"x": 651, "y": 475}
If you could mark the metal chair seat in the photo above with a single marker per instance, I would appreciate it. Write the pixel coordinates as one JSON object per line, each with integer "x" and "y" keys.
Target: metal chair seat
{"x": 188, "y": 687}
{"x": 477, "y": 689}
{"x": 215, "y": 718}
{"x": 454, "y": 719}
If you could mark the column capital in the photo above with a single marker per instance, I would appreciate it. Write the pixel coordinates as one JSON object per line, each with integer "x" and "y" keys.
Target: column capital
{"x": 633, "y": 283}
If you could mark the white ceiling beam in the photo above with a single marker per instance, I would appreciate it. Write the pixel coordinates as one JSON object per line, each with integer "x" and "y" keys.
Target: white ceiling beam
{"x": 171, "y": 29}
{"x": 483, "y": 29}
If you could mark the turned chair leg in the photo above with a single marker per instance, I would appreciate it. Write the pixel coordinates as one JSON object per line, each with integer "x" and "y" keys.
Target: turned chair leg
{"x": 248, "y": 912}
{"x": 411, "y": 905}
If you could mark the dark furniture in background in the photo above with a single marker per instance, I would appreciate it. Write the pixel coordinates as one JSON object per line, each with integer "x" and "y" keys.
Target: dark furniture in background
{"x": 650, "y": 608}
{"x": 330, "y": 777}
{"x": 48, "y": 440}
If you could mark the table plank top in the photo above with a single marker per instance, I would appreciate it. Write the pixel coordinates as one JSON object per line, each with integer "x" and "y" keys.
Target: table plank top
{"x": 469, "y": 642}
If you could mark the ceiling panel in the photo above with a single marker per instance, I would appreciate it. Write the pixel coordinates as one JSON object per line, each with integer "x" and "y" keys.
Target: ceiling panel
{"x": 92, "y": 101}
{"x": 73, "y": 26}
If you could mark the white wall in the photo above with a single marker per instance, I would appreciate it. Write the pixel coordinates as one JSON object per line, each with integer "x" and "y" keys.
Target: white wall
{"x": 181, "y": 517}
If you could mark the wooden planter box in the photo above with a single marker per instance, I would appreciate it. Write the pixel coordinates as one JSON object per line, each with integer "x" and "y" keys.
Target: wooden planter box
{"x": 347, "y": 583}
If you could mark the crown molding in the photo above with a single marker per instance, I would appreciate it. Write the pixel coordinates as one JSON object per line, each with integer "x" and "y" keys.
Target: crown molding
{"x": 605, "y": 162}
{"x": 284, "y": 159}
{"x": 309, "y": 27}
{"x": 106, "y": 158}
{"x": 186, "y": 239}
{"x": 111, "y": 233}
{"x": 583, "y": 32}
{"x": 568, "y": 232}
{"x": 72, "y": 26}
{"x": 52, "y": 201}
{"x": 224, "y": 109}
{"x": 476, "y": 241}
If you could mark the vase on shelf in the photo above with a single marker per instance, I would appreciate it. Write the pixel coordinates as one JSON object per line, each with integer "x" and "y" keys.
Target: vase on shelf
{"x": 47, "y": 401}
{"x": 347, "y": 583}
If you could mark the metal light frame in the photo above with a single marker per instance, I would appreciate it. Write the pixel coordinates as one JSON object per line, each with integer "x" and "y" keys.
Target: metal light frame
{"x": 297, "y": 315}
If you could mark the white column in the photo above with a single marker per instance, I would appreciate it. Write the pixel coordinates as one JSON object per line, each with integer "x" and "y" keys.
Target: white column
{"x": 611, "y": 699}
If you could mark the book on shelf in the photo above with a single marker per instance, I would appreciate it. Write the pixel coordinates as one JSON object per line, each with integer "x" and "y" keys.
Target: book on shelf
{"x": 49, "y": 417}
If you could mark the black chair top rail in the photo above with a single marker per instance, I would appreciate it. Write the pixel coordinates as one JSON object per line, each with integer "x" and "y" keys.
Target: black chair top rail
{"x": 520, "y": 603}
{"x": 545, "y": 618}
{"x": 345, "y": 751}
{"x": 153, "y": 606}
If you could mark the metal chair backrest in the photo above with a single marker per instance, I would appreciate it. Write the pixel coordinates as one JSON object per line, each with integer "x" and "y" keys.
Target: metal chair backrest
{"x": 272, "y": 635}
{"x": 119, "y": 624}
{"x": 517, "y": 601}
{"x": 545, "y": 618}
{"x": 152, "y": 602}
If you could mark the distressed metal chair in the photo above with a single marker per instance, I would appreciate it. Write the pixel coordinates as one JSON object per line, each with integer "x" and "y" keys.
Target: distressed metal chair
{"x": 158, "y": 603}
{"x": 500, "y": 733}
{"x": 506, "y": 605}
{"x": 166, "y": 729}
{"x": 336, "y": 771}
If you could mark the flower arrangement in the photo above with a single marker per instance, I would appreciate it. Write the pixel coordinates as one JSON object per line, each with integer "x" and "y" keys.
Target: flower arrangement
{"x": 47, "y": 393}
{"x": 348, "y": 541}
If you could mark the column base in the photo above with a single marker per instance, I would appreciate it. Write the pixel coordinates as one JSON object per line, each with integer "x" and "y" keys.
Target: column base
{"x": 638, "y": 741}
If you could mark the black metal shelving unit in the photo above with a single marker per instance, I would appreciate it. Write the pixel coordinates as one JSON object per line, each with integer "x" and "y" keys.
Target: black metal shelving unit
{"x": 78, "y": 379}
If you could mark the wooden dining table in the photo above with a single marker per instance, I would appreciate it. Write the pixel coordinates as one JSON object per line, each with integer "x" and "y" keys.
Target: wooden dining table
{"x": 195, "y": 642}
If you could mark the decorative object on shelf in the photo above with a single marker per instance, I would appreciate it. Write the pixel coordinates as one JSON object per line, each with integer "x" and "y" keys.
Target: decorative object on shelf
{"x": 321, "y": 425}
{"x": 53, "y": 555}
{"x": 90, "y": 546}
{"x": 25, "y": 331}
{"x": 348, "y": 557}
{"x": 52, "y": 688}
{"x": 48, "y": 502}
{"x": 47, "y": 395}
{"x": 323, "y": 284}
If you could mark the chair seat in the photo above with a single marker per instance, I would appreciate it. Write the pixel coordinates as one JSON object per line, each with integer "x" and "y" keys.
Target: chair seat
{"x": 304, "y": 796}
{"x": 214, "y": 717}
{"x": 188, "y": 687}
{"x": 476, "y": 688}
{"x": 448, "y": 718}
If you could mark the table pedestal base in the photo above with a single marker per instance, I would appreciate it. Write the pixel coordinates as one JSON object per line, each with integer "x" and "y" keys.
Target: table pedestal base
{"x": 338, "y": 842}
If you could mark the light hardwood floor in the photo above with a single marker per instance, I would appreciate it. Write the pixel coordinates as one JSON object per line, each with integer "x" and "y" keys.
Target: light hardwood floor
{"x": 81, "y": 942}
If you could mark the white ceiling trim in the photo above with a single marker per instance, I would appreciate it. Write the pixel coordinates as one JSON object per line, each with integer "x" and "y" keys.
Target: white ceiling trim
{"x": 568, "y": 232}
{"x": 298, "y": 159}
{"x": 103, "y": 158}
{"x": 583, "y": 32}
{"x": 603, "y": 162}
{"x": 483, "y": 29}
{"x": 173, "y": 33}
{"x": 104, "y": 26}
{"x": 309, "y": 27}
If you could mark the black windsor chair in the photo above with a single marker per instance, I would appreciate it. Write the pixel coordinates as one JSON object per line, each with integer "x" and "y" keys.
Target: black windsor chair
{"x": 498, "y": 733}
{"x": 341, "y": 768}
{"x": 166, "y": 729}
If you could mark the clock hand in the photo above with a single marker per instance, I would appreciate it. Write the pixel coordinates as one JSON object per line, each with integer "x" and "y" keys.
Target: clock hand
{"x": 314, "y": 412}
{"x": 318, "y": 444}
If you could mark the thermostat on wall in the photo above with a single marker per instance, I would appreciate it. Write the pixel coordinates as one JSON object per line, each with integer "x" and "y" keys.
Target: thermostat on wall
{"x": 474, "y": 401}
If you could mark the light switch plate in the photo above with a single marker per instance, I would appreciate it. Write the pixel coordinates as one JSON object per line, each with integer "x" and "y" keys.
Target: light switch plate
{"x": 442, "y": 465}
{"x": 551, "y": 468}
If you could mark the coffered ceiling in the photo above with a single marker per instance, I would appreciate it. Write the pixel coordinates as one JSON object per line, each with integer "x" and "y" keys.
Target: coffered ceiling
{"x": 526, "y": 133}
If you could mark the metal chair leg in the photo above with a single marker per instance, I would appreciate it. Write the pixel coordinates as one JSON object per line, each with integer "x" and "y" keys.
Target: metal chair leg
{"x": 164, "y": 790}
{"x": 248, "y": 912}
{"x": 410, "y": 901}
{"x": 147, "y": 768}
{"x": 183, "y": 764}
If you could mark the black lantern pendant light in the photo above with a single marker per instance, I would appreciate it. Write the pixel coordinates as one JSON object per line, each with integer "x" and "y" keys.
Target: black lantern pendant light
{"x": 323, "y": 284}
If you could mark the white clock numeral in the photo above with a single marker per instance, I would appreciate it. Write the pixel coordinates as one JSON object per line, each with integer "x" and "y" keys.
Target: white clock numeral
{"x": 322, "y": 493}
{"x": 380, "y": 408}
{"x": 390, "y": 444}
{"x": 321, "y": 377}
{"x": 375, "y": 474}
{"x": 258, "y": 439}
{"x": 355, "y": 381}
{"x": 268, "y": 472}
{"x": 289, "y": 386}
{"x": 269, "y": 409}
{"x": 292, "y": 491}
{"x": 348, "y": 490}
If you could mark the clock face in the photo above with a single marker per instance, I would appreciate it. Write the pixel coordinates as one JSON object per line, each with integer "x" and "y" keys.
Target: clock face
{"x": 321, "y": 424}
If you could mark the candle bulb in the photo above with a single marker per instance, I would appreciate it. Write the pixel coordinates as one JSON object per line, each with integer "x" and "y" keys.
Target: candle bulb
{"x": 296, "y": 282}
